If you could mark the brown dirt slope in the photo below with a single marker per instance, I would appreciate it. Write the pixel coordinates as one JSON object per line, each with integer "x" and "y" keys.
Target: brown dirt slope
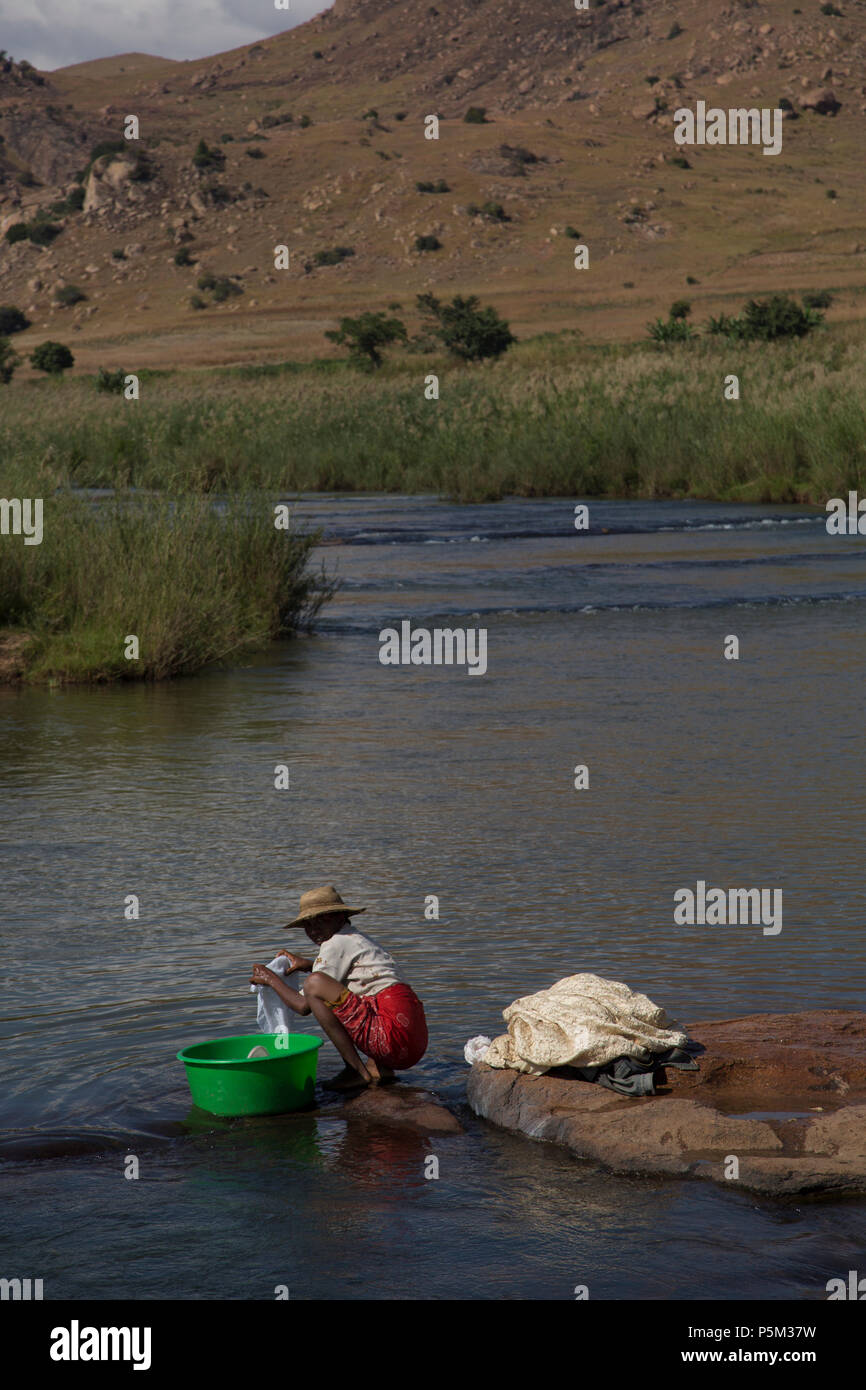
{"x": 578, "y": 135}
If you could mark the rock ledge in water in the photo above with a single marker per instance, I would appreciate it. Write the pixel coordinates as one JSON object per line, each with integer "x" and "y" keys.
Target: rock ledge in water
{"x": 785, "y": 1094}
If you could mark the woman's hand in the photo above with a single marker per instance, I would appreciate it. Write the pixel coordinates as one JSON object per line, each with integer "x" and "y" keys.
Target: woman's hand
{"x": 295, "y": 962}
{"x": 262, "y": 975}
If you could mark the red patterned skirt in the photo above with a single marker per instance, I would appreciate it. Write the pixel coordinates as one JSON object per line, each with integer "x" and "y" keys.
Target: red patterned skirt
{"x": 389, "y": 1026}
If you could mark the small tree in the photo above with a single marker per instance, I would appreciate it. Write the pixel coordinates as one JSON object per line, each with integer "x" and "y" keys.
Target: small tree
{"x": 476, "y": 115}
{"x": 365, "y": 335}
{"x": 53, "y": 358}
{"x": 12, "y": 320}
{"x": 466, "y": 329}
{"x": 680, "y": 309}
{"x": 17, "y": 232}
{"x": 9, "y": 360}
{"x": 206, "y": 158}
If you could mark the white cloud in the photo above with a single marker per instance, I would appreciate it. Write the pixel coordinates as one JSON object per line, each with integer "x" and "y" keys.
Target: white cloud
{"x": 55, "y": 33}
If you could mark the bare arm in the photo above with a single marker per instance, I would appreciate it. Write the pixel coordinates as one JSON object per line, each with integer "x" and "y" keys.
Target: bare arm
{"x": 263, "y": 976}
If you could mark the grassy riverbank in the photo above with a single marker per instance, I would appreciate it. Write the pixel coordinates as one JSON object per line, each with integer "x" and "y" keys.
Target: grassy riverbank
{"x": 551, "y": 418}
{"x": 196, "y": 586}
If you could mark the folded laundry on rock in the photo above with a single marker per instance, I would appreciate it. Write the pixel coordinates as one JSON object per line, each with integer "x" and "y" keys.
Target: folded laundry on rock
{"x": 598, "y": 1026}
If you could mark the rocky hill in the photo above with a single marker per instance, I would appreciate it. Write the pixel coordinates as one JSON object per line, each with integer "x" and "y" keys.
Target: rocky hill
{"x": 315, "y": 140}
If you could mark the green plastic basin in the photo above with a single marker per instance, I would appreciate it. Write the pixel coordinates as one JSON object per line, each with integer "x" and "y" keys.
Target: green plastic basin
{"x": 224, "y": 1082}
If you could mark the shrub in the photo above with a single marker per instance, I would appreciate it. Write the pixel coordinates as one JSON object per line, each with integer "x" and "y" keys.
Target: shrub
{"x": 517, "y": 154}
{"x": 68, "y": 295}
{"x": 9, "y": 360}
{"x": 467, "y": 330}
{"x": 778, "y": 317}
{"x": 183, "y": 256}
{"x": 53, "y": 358}
{"x": 675, "y": 30}
{"x": 440, "y": 186}
{"x": 142, "y": 170}
{"x": 317, "y": 53}
{"x": 304, "y": 122}
{"x": 254, "y": 154}
{"x": 366, "y": 335}
{"x": 43, "y": 233}
{"x": 75, "y": 201}
{"x": 764, "y": 320}
{"x": 670, "y": 330}
{"x": 12, "y": 320}
{"x": 572, "y": 233}
{"x": 690, "y": 280}
{"x": 476, "y": 115}
{"x": 226, "y": 138}
{"x": 831, "y": 193}
{"x": 206, "y": 281}
{"x": 196, "y": 302}
{"x": 680, "y": 309}
{"x": 206, "y": 158}
{"x": 118, "y": 254}
{"x": 679, "y": 161}
{"x": 818, "y": 299}
{"x": 400, "y": 115}
{"x": 829, "y": 9}
{"x": 224, "y": 288}
{"x": 334, "y": 256}
{"x": 17, "y": 232}
{"x": 428, "y": 243}
{"x": 110, "y": 381}
{"x": 495, "y": 211}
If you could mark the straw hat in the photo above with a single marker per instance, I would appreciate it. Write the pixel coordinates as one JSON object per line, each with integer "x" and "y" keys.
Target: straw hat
{"x": 318, "y": 902}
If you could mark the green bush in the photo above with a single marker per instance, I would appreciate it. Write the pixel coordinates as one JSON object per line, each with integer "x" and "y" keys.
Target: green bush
{"x": 680, "y": 309}
{"x": 494, "y": 211}
{"x": 53, "y": 358}
{"x": 183, "y": 256}
{"x": 68, "y": 295}
{"x": 366, "y": 335}
{"x": 428, "y": 243}
{"x": 572, "y": 233}
{"x": 670, "y": 330}
{"x": 468, "y": 331}
{"x": 17, "y": 232}
{"x": 675, "y": 30}
{"x": 43, "y": 233}
{"x": 254, "y": 154}
{"x": 679, "y": 161}
{"x": 818, "y": 299}
{"x": 304, "y": 122}
{"x": 334, "y": 256}
{"x": 206, "y": 158}
{"x": 476, "y": 115}
{"x": 224, "y": 288}
{"x": 12, "y": 320}
{"x": 110, "y": 381}
{"x": 118, "y": 254}
{"x": 440, "y": 186}
{"x": 196, "y": 302}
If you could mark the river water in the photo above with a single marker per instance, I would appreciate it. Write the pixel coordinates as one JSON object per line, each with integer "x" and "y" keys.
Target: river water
{"x": 605, "y": 649}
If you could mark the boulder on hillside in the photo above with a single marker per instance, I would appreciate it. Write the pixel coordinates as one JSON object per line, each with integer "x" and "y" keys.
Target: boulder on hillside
{"x": 109, "y": 177}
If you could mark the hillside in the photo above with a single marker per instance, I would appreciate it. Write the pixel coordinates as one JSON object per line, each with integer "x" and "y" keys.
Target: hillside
{"x": 322, "y": 133}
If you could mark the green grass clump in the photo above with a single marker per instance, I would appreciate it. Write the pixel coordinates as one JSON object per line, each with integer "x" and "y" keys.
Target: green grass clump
{"x": 551, "y": 417}
{"x": 197, "y": 584}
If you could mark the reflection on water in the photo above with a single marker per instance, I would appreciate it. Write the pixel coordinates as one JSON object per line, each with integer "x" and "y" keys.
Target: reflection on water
{"x": 604, "y": 650}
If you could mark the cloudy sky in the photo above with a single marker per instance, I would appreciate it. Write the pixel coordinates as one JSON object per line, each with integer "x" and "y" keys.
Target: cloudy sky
{"x": 55, "y": 33}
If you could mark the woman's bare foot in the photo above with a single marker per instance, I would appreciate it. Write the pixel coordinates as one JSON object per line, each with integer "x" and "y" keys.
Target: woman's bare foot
{"x": 382, "y": 1075}
{"x": 348, "y": 1080}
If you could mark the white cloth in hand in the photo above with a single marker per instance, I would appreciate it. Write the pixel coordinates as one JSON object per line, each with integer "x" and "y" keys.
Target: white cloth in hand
{"x": 272, "y": 1015}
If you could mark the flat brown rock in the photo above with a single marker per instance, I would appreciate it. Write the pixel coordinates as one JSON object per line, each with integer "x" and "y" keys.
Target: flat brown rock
{"x": 782, "y": 1094}
{"x": 406, "y": 1106}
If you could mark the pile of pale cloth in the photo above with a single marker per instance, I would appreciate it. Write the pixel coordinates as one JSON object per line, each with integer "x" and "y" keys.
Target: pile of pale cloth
{"x": 581, "y": 1021}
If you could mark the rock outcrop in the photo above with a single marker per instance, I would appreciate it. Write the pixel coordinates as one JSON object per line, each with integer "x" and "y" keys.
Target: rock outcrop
{"x": 782, "y": 1094}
